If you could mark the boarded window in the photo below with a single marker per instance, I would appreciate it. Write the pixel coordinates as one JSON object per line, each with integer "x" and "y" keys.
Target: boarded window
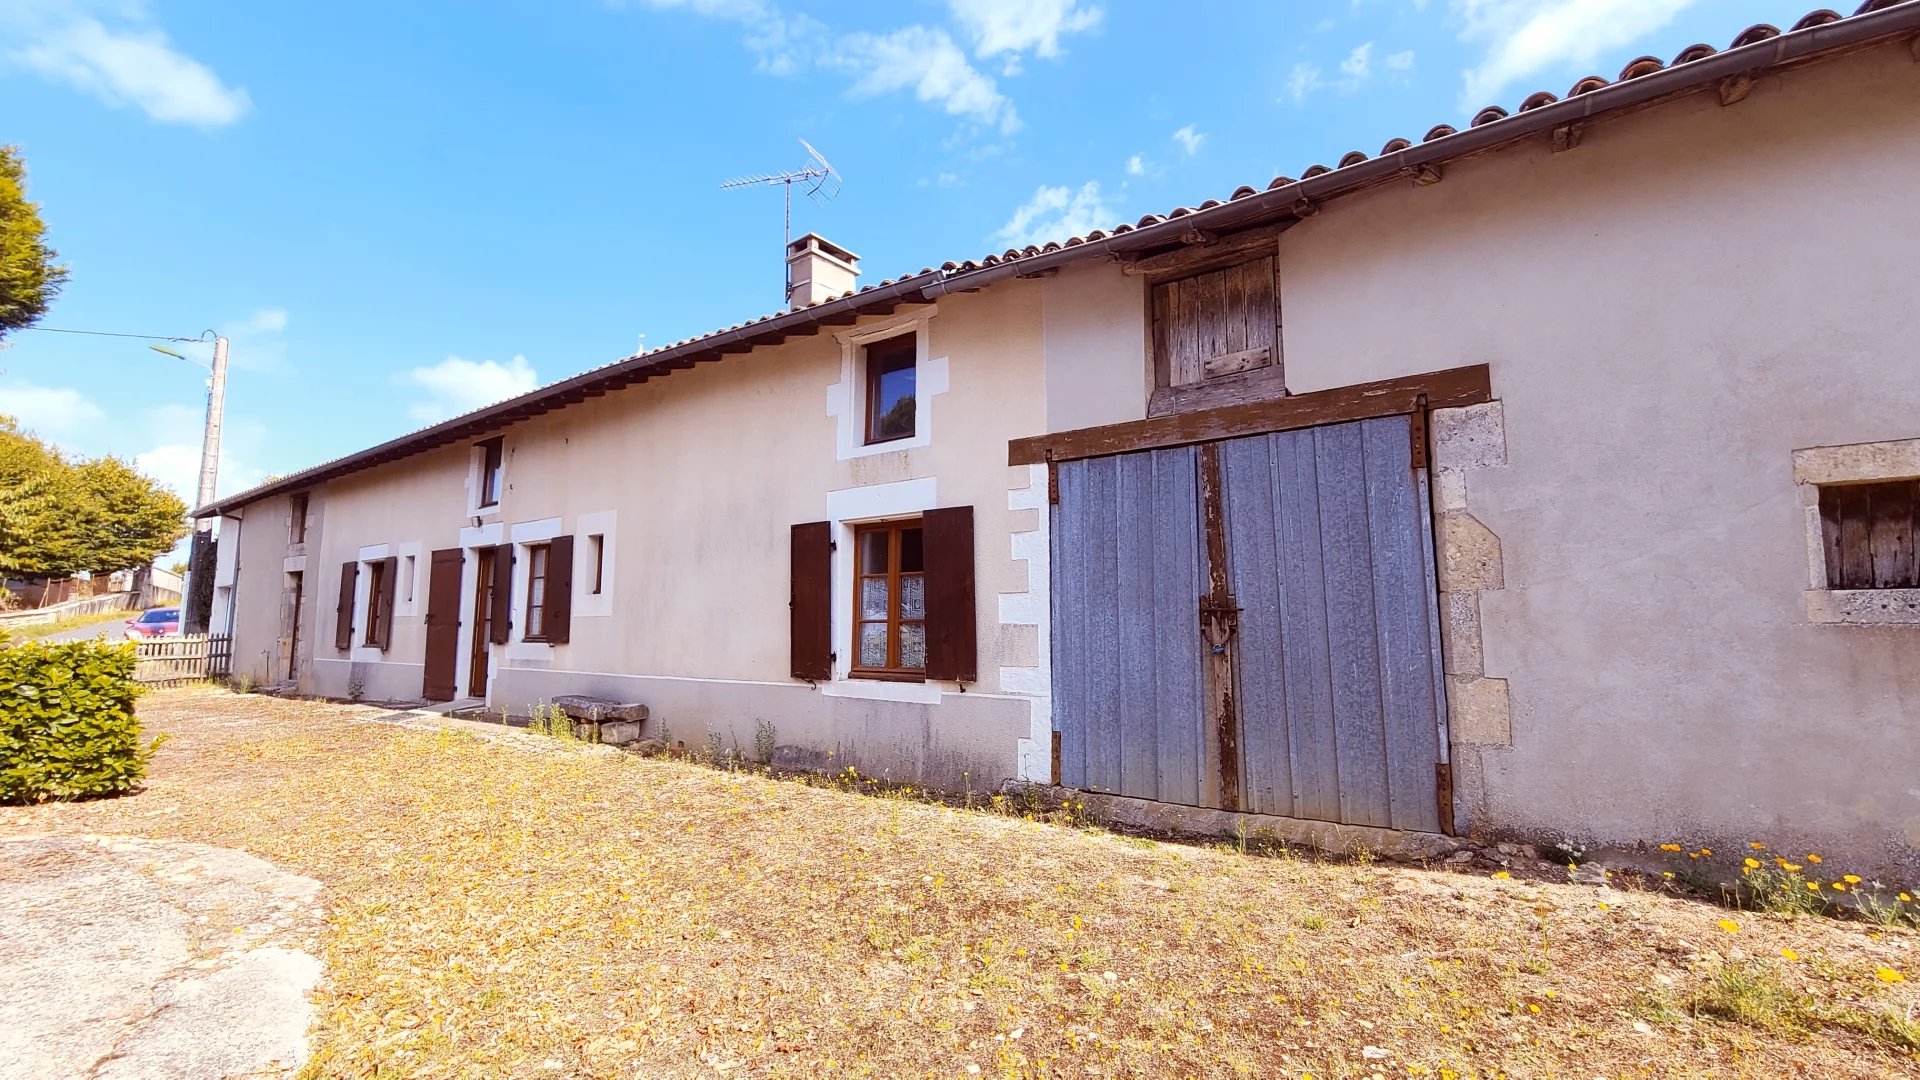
{"x": 1216, "y": 337}
{"x": 1869, "y": 532}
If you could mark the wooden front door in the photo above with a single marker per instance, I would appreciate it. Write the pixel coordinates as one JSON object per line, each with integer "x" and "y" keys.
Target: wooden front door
{"x": 443, "y": 625}
{"x": 480, "y": 646}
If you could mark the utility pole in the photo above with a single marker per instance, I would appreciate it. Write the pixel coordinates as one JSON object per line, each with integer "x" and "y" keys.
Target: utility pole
{"x": 200, "y": 555}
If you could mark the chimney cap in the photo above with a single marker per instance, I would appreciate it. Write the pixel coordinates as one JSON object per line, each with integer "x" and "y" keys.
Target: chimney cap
{"x": 816, "y": 242}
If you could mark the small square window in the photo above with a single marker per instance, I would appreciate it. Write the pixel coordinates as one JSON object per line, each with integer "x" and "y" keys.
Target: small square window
{"x": 890, "y": 389}
{"x": 297, "y": 534}
{"x": 597, "y": 548}
{"x": 1869, "y": 532}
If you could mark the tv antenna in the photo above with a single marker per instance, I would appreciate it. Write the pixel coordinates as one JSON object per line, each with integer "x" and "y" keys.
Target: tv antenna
{"x": 822, "y": 182}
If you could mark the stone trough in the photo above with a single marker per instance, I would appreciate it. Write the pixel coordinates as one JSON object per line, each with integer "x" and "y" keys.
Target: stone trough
{"x": 612, "y": 722}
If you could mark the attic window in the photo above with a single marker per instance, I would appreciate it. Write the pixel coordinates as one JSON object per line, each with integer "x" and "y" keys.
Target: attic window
{"x": 1216, "y": 337}
{"x": 492, "y": 466}
{"x": 890, "y": 389}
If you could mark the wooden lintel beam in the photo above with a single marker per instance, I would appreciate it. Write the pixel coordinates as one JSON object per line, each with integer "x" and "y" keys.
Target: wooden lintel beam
{"x": 1196, "y": 258}
{"x": 1448, "y": 389}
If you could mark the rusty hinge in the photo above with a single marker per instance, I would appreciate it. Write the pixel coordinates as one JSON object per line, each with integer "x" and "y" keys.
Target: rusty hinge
{"x": 1056, "y": 757}
{"x": 1417, "y": 428}
{"x": 1053, "y": 481}
{"x": 1443, "y": 795}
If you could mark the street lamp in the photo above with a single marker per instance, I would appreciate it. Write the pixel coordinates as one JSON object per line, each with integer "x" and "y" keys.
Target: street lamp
{"x": 199, "y": 598}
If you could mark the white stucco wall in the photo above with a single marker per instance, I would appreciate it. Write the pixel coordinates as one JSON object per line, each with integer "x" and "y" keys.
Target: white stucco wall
{"x": 1669, "y": 310}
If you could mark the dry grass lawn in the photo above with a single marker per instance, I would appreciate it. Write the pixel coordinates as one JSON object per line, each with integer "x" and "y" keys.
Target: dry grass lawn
{"x": 518, "y": 907}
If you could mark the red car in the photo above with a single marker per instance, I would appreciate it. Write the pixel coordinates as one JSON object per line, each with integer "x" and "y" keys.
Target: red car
{"x": 155, "y": 622}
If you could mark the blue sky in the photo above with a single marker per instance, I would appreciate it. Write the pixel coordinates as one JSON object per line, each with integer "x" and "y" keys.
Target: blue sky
{"x": 401, "y": 211}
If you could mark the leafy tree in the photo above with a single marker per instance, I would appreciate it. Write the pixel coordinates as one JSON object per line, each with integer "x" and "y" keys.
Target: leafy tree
{"x": 41, "y": 534}
{"x": 136, "y": 520}
{"x": 61, "y": 517}
{"x": 29, "y": 279}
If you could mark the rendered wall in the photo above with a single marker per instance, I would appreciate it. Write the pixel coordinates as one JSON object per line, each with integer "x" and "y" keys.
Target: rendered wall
{"x": 1669, "y": 310}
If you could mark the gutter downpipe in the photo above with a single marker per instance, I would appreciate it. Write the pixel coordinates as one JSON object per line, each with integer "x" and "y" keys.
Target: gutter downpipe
{"x": 1759, "y": 56}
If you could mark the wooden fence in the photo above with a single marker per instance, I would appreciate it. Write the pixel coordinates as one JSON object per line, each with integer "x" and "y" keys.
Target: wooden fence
{"x": 174, "y": 661}
{"x": 120, "y": 601}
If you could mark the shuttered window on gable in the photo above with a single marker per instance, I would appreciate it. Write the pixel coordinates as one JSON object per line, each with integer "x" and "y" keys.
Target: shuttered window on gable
{"x": 1216, "y": 337}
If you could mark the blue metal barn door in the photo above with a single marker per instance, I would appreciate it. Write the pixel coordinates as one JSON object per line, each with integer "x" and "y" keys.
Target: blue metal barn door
{"x": 1252, "y": 624}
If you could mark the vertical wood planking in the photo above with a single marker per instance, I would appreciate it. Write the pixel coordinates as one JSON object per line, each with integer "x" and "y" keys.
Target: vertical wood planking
{"x": 1139, "y": 748}
{"x": 1233, "y": 313}
{"x": 1069, "y": 606}
{"x": 1176, "y": 601}
{"x": 1104, "y": 517}
{"x": 1890, "y": 534}
{"x": 1395, "y": 524}
{"x": 1252, "y": 527}
{"x": 1313, "y": 741}
{"x": 1352, "y": 637}
{"x": 1856, "y": 555}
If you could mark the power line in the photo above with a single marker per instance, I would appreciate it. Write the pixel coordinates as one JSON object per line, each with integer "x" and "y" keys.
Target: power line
{"x": 112, "y": 335}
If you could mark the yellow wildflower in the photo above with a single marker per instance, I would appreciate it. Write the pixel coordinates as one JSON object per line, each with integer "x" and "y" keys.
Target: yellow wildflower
{"x": 1790, "y": 867}
{"x": 1838, "y": 886}
{"x": 1888, "y": 975}
{"x": 1729, "y": 926}
{"x": 1789, "y": 954}
{"x": 1812, "y": 858}
{"x": 1501, "y": 875}
{"x": 1706, "y": 851}
{"x": 1752, "y": 864}
{"x": 1813, "y": 886}
{"x": 1757, "y": 846}
{"x": 1851, "y": 879}
{"x": 1668, "y": 874}
{"x": 1669, "y": 847}
{"x": 1906, "y": 899}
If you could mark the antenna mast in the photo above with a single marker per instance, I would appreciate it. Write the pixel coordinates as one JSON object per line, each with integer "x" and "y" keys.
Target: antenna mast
{"x": 823, "y": 183}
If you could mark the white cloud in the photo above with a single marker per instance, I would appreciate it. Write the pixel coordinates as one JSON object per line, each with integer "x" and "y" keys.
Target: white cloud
{"x": 1359, "y": 62}
{"x": 925, "y": 60}
{"x": 1524, "y": 38}
{"x": 177, "y": 465}
{"x": 1055, "y": 213}
{"x": 1304, "y": 80}
{"x": 1017, "y": 26}
{"x": 49, "y": 411}
{"x": 1189, "y": 140}
{"x": 456, "y": 385}
{"x": 1136, "y": 165}
{"x": 1400, "y": 61}
{"x": 131, "y": 63}
{"x": 922, "y": 59}
{"x": 1307, "y": 78}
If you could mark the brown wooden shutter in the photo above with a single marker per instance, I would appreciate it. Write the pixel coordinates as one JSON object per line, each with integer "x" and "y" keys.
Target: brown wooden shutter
{"x": 952, "y": 651}
{"x": 810, "y": 603}
{"x": 343, "y": 611}
{"x": 559, "y": 590}
{"x": 390, "y": 579}
{"x": 500, "y": 622}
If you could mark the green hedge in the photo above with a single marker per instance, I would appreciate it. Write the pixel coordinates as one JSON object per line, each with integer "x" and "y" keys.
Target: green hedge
{"x": 67, "y": 729}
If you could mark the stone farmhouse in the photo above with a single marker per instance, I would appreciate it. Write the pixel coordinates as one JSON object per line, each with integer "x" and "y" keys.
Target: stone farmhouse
{"x": 1557, "y": 477}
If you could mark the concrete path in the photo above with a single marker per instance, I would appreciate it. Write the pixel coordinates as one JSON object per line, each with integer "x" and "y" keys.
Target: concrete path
{"x": 112, "y": 631}
{"x": 153, "y": 959}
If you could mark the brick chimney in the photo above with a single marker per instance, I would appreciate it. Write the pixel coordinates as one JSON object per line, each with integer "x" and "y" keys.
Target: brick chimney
{"x": 818, "y": 270}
